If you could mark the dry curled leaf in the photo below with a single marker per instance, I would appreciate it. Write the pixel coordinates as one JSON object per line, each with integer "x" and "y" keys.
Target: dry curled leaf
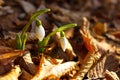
{"x": 49, "y": 71}
{"x": 110, "y": 75}
{"x": 117, "y": 56}
{"x": 111, "y": 63}
{"x": 101, "y": 45}
{"x": 97, "y": 70}
{"x": 92, "y": 56}
{"x": 7, "y": 59}
{"x": 27, "y": 64}
{"x": 100, "y": 28}
{"x": 87, "y": 38}
{"x": 89, "y": 60}
{"x": 114, "y": 36}
{"x": 13, "y": 74}
{"x": 92, "y": 45}
{"x": 25, "y": 75}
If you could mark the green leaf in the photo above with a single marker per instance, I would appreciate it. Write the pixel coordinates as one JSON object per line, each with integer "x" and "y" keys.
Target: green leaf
{"x": 23, "y": 40}
{"x": 18, "y": 42}
{"x": 36, "y": 14}
{"x": 62, "y": 28}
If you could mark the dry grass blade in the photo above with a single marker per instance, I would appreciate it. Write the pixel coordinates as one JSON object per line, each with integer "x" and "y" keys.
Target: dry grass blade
{"x": 12, "y": 75}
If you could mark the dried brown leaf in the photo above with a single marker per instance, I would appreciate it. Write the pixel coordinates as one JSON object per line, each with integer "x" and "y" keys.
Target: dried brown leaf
{"x": 98, "y": 45}
{"x": 110, "y": 75}
{"x": 92, "y": 56}
{"x": 87, "y": 38}
{"x": 66, "y": 15}
{"x": 97, "y": 70}
{"x": 27, "y": 6}
{"x": 114, "y": 36}
{"x": 111, "y": 63}
{"x": 117, "y": 56}
{"x": 25, "y": 75}
{"x": 56, "y": 61}
{"x": 89, "y": 60}
{"x": 7, "y": 59}
{"x": 100, "y": 28}
{"x": 13, "y": 74}
{"x": 49, "y": 71}
{"x": 4, "y": 49}
{"x": 13, "y": 54}
{"x": 27, "y": 64}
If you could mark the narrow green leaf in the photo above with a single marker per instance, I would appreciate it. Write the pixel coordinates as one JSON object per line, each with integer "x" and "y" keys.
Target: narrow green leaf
{"x": 62, "y": 28}
{"x": 23, "y": 40}
{"x": 18, "y": 42}
{"x": 36, "y": 14}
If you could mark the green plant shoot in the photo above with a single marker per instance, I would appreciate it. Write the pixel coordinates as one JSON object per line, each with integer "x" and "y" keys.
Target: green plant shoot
{"x": 21, "y": 39}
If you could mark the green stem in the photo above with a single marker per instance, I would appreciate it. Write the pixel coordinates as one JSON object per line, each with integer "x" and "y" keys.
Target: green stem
{"x": 62, "y": 34}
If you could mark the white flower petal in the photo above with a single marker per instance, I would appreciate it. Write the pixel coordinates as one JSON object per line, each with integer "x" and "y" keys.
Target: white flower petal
{"x": 63, "y": 43}
{"x": 40, "y": 32}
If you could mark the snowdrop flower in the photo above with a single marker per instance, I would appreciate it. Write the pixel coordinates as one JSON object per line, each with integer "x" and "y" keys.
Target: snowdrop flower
{"x": 63, "y": 41}
{"x": 40, "y": 31}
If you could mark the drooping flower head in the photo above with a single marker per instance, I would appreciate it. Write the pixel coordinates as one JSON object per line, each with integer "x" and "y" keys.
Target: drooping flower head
{"x": 63, "y": 42}
{"x": 40, "y": 31}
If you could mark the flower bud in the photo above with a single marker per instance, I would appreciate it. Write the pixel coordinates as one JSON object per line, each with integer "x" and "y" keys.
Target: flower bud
{"x": 40, "y": 31}
{"x": 63, "y": 41}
